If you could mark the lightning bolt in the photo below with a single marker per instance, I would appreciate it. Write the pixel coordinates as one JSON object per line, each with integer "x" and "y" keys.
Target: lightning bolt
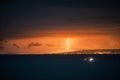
{"x": 68, "y": 44}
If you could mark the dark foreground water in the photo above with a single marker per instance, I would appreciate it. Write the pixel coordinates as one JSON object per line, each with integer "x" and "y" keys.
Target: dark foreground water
{"x": 59, "y": 67}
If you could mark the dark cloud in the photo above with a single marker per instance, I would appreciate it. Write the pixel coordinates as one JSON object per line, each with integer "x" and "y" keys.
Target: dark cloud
{"x": 21, "y": 19}
{"x": 2, "y": 44}
{"x": 15, "y": 45}
{"x": 62, "y": 20}
{"x": 1, "y": 47}
{"x": 33, "y": 44}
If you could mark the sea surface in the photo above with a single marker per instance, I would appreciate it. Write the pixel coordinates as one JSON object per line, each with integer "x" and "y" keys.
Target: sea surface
{"x": 60, "y": 67}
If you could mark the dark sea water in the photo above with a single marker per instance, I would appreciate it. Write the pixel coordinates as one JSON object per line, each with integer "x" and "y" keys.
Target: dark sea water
{"x": 59, "y": 67}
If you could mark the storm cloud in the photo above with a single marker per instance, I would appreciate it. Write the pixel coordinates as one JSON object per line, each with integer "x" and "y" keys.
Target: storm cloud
{"x": 67, "y": 17}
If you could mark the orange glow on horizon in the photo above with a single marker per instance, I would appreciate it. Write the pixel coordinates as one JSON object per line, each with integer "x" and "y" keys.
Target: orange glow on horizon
{"x": 56, "y": 45}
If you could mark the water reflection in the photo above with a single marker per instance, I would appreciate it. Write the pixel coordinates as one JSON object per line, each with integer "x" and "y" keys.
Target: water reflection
{"x": 89, "y": 59}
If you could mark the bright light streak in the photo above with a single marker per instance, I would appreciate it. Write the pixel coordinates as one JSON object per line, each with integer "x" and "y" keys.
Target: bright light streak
{"x": 68, "y": 44}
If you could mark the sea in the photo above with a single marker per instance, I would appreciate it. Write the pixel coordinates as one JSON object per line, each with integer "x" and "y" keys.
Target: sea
{"x": 60, "y": 67}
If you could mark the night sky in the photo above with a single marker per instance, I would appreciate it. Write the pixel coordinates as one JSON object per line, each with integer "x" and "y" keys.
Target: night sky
{"x": 59, "y": 18}
{"x": 30, "y": 29}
